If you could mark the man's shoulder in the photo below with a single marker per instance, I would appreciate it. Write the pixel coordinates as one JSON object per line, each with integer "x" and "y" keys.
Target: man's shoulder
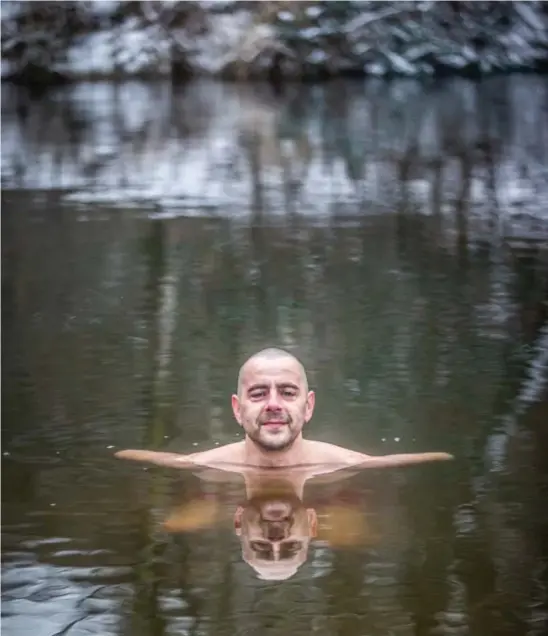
{"x": 323, "y": 452}
{"x": 230, "y": 453}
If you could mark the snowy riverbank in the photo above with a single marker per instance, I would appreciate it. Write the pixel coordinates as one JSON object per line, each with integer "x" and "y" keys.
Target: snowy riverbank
{"x": 245, "y": 39}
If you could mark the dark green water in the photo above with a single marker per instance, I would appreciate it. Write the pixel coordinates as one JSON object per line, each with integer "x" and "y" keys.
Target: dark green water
{"x": 423, "y": 326}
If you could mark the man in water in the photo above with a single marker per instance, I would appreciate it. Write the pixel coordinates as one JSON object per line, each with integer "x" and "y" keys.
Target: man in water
{"x": 272, "y": 404}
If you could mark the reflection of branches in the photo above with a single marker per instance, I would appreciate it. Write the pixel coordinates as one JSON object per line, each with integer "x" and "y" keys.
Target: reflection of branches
{"x": 532, "y": 388}
{"x": 223, "y": 622}
{"x": 435, "y": 145}
{"x": 67, "y": 628}
{"x": 159, "y": 312}
{"x": 91, "y": 595}
{"x": 536, "y": 380}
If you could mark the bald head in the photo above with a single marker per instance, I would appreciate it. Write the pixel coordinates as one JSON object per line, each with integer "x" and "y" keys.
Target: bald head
{"x": 272, "y": 354}
{"x": 273, "y": 401}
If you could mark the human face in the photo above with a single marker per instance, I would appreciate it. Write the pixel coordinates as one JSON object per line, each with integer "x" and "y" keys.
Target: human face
{"x": 275, "y": 533}
{"x": 273, "y": 403}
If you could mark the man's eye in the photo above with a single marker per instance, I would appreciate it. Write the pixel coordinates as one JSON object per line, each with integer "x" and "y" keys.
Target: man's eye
{"x": 260, "y": 546}
{"x": 293, "y": 546}
{"x": 289, "y": 393}
{"x": 254, "y": 395}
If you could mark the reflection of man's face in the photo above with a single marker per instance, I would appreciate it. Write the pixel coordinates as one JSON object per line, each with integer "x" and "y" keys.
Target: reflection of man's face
{"x": 275, "y": 532}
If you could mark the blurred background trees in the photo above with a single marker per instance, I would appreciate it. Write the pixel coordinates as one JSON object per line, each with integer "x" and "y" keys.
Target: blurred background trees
{"x": 44, "y": 42}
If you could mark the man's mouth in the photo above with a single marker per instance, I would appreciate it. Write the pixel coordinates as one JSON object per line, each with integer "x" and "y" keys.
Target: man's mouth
{"x": 274, "y": 423}
{"x": 275, "y": 511}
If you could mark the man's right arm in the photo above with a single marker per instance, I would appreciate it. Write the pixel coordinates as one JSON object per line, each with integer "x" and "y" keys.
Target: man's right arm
{"x": 220, "y": 473}
{"x": 226, "y": 457}
{"x": 173, "y": 460}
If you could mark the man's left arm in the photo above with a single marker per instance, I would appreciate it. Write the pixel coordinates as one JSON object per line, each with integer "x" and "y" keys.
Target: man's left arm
{"x": 402, "y": 459}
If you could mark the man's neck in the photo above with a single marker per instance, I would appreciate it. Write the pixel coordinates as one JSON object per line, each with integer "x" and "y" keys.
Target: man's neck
{"x": 291, "y": 456}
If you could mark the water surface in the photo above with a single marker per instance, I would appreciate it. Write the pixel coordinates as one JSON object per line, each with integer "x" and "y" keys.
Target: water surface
{"x": 388, "y": 235}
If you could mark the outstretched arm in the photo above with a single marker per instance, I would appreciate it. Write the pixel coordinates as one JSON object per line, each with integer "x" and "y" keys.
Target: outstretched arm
{"x": 173, "y": 460}
{"x": 219, "y": 473}
{"x": 331, "y": 473}
{"x": 354, "y": 462}
{"x": 404, "y": 459}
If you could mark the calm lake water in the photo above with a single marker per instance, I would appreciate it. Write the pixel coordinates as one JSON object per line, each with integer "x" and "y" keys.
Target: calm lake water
{"x": 388, "y": 234}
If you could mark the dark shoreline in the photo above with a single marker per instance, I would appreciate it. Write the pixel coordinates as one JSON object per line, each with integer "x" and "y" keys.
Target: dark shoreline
{"x": 56, "y": 79}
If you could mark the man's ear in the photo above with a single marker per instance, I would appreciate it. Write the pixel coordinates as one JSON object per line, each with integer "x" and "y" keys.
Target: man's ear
{"x": 238, "y": 520}
{"x": 236, "y": 409}
{"x": 312, "y": 522}
{"x": 310, "y": 402}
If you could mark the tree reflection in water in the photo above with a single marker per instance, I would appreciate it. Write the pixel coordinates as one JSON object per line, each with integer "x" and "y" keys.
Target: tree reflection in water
{"x": 143, "y": 257}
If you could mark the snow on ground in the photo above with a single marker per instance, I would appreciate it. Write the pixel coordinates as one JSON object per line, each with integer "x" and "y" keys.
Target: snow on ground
{"x": 126, "y": 50}
{"x": 378, "y": 41}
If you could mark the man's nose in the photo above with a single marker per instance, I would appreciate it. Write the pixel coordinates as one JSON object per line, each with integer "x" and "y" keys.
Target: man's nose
{"x": 273, "y": 403}
{"x": 276, "y": 530}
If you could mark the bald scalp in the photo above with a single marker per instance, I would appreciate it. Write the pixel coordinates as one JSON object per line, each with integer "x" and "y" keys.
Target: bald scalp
{"x": 271, "y": 353}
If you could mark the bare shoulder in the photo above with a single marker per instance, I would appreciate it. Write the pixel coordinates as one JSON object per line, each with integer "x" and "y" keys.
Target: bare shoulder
{"x": 231, "y": 453}
{"x": 322, "y": 452}
{"x": 228, "y": 454}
